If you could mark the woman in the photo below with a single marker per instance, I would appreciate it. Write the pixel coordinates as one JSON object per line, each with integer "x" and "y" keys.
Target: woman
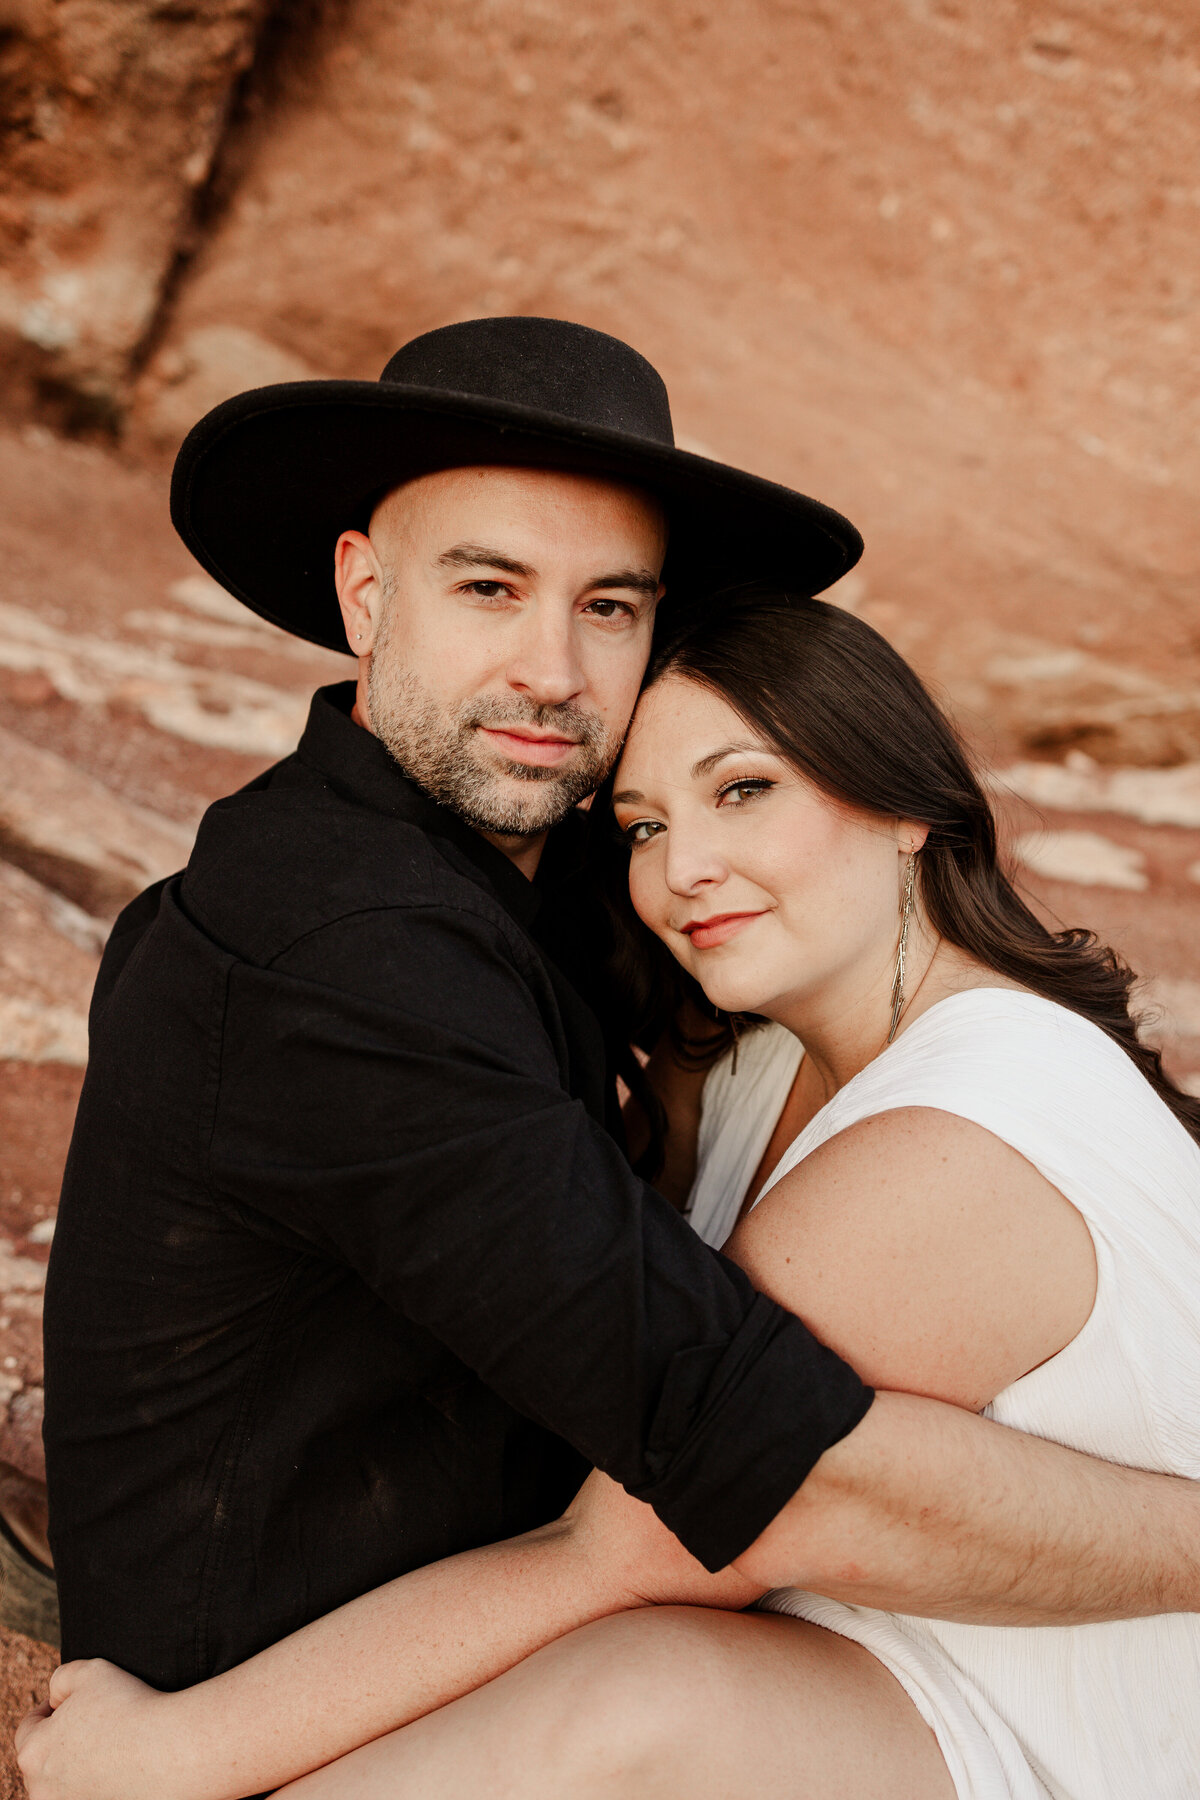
{"x": 950, "y": 1153}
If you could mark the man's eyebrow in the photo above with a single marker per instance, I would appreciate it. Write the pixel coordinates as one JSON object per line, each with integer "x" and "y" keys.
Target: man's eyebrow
{"x": 479, "y": 556}
{"x": 637, "y": 581}
{"x": 708, "y": 763}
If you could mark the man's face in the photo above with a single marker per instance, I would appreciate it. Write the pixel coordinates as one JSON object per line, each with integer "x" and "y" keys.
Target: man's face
{"x": 503, "y": 620}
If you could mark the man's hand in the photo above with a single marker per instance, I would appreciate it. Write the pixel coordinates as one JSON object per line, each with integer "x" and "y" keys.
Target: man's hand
{"x": 101, "y": 1735}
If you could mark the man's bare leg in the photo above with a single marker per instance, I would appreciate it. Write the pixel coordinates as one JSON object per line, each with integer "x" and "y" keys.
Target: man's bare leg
{"x": 654, "y": 1704}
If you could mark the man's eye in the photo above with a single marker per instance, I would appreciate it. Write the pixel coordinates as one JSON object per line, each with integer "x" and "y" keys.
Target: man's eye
{"x": 641, "y": 831}
{"x": 487, "y": 590}
{"x": 609, "y": 609}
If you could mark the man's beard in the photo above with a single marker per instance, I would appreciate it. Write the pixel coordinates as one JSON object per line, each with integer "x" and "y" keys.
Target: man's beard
{"x": 443, "y": 753}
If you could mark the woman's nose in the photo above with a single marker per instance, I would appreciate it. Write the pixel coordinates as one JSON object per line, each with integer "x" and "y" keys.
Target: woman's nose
{"x": 693, "y": 863}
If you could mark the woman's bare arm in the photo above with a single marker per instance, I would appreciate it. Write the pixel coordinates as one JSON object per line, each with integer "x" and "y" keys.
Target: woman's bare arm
{"x": 377, "y": 1663}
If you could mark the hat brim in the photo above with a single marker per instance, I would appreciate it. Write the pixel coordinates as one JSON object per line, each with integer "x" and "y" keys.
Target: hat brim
{"x": 265, "y": 484}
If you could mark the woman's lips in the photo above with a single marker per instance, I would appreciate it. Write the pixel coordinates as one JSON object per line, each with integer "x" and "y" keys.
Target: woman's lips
{"x": 706, "y": 934}
{"x": 544, "y": 752}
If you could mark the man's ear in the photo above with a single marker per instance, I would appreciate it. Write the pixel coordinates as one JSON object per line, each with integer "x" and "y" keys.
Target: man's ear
{"x": 359, "y": 581}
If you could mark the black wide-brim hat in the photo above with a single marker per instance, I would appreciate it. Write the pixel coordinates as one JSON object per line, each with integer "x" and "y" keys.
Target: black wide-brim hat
{"x": 265, "y": 483}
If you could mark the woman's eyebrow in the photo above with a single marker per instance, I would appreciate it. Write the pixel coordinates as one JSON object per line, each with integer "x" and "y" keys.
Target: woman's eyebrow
{"x": 708, "y": 763}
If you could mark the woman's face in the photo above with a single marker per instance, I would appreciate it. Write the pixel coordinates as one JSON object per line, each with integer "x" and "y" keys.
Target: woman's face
{"x": 769, "y": 892}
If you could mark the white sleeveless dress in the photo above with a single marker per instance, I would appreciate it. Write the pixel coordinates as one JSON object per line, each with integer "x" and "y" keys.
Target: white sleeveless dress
{"x": 1083, "y": 1712}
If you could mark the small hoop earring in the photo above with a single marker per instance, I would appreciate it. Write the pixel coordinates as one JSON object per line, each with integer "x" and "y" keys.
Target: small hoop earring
{"x": 906, "y": 906}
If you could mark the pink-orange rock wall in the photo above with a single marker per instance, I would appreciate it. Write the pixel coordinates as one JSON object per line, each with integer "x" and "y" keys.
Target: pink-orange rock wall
{"x": 111, "y": 113}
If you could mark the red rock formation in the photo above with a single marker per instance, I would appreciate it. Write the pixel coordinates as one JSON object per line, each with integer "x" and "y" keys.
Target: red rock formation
{"x": 25, "y": 1670}
{"x": 112, "y": 110}
{"x": 937, "y": 262}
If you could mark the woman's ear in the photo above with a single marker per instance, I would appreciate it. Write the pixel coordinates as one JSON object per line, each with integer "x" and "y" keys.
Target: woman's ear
{"x": 911, "y": 837}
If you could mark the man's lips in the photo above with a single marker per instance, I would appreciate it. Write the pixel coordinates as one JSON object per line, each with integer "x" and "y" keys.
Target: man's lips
{"x": 706, "y": 934}
{"x": 519, "y": 745}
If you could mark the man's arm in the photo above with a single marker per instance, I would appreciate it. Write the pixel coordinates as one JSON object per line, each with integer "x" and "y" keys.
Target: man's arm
{"x": 393, "y": 1090}
{"x": 925, "y": 1508}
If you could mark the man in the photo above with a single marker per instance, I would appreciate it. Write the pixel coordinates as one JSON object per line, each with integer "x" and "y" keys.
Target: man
{"x": 350, "y": 1270}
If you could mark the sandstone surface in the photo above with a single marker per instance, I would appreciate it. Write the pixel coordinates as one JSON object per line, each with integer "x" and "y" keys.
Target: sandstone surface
{"x": 1168, "y": 796}
{"x": 112, "y": 112}
{"x": 1084, "y": 857}
{"x": 25, "y": 1671}
{"x": 196, "y": 372}
{"x": 49, "y": 954}
{"x": 70, "y": 830}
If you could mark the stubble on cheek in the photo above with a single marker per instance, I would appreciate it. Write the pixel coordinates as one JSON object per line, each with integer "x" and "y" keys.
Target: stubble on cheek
{"x": 440, "y": 749}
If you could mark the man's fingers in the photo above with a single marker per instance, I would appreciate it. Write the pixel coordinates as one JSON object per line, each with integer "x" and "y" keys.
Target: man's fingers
{"x": 30, "y": 1723}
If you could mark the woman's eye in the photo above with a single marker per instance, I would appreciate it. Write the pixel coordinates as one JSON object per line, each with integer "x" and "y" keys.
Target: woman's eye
{"x": 736, "y": 793}
{"x": 641, "y": 831}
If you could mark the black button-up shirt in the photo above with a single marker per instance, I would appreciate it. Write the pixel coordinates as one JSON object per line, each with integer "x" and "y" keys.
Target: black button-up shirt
{"x": 349, "y": 1273}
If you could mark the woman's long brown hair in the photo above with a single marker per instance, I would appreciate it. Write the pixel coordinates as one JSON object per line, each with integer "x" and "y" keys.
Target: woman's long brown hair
{"x": 836, "y": 701}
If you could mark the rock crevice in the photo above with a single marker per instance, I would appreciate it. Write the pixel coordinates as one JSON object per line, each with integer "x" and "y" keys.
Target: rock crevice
{"x": 113, "y": 111}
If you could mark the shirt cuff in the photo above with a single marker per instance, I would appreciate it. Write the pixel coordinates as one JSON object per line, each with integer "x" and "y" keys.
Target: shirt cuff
{"x": 738, "y": 1427}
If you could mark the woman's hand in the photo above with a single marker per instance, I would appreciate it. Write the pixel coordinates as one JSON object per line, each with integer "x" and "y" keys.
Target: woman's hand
{"x": 101, "y": 1735}
{"x": 104, "y": 1735}
{"x": 638, "y": 1561}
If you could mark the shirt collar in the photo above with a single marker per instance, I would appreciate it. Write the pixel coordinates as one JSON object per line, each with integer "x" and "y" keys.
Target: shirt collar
{"x": 357, "y": 765}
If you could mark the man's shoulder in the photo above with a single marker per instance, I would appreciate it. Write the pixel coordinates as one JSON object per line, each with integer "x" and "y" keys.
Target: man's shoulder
{"x": 275, "y": 864}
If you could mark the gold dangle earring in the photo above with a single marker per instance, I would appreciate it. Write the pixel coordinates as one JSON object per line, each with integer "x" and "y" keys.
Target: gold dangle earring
{"x": 906, "y": 906}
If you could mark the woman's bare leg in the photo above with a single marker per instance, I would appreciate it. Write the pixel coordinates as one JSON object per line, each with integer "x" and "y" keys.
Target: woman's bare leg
{"x": 651, "y": 1705}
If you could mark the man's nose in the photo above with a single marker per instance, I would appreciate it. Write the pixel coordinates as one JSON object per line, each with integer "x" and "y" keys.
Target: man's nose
{"x": 546, "y": 663}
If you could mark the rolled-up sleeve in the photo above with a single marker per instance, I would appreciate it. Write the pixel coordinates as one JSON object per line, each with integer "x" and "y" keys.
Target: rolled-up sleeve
{"x": 394, "y": 1091}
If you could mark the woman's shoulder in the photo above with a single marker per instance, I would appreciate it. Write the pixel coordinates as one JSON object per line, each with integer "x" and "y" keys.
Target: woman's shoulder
{"x": 1040, "y": 1077}
{"x": 1016, "y": 1012}
{"x": 903, "y": 1202}
{"x": 936, "y": 1255}
{"x": 1011, "y": 1040}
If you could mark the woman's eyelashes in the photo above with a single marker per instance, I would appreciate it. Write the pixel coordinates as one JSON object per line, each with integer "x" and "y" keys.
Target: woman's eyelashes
{"x": 735, "y": 793}
{"x": 748, "y": 788}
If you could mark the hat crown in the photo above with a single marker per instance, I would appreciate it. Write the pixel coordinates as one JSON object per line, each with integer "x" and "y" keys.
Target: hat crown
{"x": 546, "y": 365}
